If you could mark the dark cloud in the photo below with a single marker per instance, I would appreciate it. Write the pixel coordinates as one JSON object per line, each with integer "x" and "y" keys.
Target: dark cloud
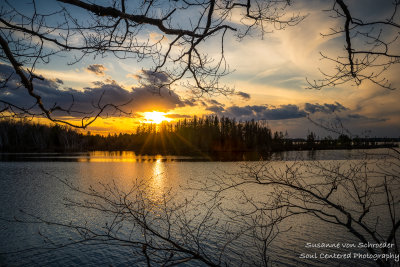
{"x": 260, "y": 112}
{"x": 141, "y": 98}
{"x": 215, "y": 102}
{"x": 216, "y": 109}
{"x": 204, "y": 104}
{"x": 155, "y": 83}
{"x": 284, "y": 112}
{"x": 189, "y": 102}
{"x": 359, "y": 117}
{"x": 325, "y": 108}
{"x": 151, "y": 78}
{"x": 59, "y": 81}
{"x": 213, "y": 106}
{"x": 152, "y": 95}
{"x": 244, "y": 95}
{"x": 97, "y": 69}
{"x": 177, "y": 116}
{"x": 240, "y": 111}
{"x": 259, "y": 109}
{"x": 6, "y": 71}
{"x": 355, "y": 116}
{"x": 145, "y": 100}
{"x": 98, "y": 83}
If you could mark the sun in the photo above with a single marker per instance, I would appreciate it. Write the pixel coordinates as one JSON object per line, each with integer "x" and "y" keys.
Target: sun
{"x": 155, "y": 117}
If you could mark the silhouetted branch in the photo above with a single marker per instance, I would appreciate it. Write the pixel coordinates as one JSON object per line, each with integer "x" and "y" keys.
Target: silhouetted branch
{"x": 133, "y": 30}
{"x": 371, "y": 49}
{"x": 351, "y": 195}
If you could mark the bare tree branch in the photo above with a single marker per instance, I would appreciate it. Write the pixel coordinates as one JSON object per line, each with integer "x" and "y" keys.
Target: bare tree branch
{"x": 371, "y": 49}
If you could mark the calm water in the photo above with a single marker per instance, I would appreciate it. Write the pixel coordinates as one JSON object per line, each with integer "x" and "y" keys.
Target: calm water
{"x": 30, "y": 182}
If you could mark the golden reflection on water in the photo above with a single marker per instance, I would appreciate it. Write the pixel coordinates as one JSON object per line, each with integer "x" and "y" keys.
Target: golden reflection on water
{"x": 157, "y": 179}
{"x": 158, "y": 167}
{"x": 127, "y": 170}
{"x": 120, "y": 156}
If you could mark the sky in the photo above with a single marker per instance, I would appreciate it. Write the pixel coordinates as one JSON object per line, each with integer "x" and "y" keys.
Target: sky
{"x": 269, "y": 79}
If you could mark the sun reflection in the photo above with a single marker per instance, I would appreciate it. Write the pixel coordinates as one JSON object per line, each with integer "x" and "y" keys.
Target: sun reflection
{"x": 157, "y": 181}
{"x": 158, "y": 168}
{"x": 155, "y": 117}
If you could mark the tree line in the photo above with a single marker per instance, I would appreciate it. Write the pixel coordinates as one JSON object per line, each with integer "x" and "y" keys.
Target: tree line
{"x": 195, "y": 136}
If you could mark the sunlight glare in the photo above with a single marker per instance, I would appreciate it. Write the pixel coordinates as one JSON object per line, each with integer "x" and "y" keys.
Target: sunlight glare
{"x": 155, "y": 117}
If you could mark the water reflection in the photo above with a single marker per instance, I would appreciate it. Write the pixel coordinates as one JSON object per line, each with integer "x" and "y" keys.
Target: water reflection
{"x": 158, "y": 176}
{"x": 94, "y": 156}
{"x": 123, "y": 156}
{"x": 27, "y": 186}
{"x": 131, "y": 156}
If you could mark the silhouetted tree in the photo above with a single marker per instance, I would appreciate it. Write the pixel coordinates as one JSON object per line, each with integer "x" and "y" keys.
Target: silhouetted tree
{"x": 311, "y": 139}
{"x": 344, "y": 140}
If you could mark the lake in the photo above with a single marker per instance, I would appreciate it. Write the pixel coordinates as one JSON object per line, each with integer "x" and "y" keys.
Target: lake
{"x": 33, "y": 183}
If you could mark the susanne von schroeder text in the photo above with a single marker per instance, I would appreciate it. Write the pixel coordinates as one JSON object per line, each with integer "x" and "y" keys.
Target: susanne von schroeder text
{"x": 349, "y": 245}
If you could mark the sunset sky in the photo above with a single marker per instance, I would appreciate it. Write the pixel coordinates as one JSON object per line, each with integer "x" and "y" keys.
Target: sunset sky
{"x": 269, "y": 79}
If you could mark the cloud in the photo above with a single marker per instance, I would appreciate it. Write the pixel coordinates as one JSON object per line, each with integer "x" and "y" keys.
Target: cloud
{"x": 215, "y": 102}
{"x": 59, "y": 81}
{"x": 359, "y": 117}
{"x": 133, "y": 76}
{"x": 259, "y": 112}
{"x": 282, "y": 112}
{"x": 178, "y": 116}
{"x": 145, "y": 100}
{"x": 102, "y": 92}
{"x": 97, "y": 69}
{"x": 214, "y": 106}
{"x": 325, "y": 108}
{"x": 240, "y": 111}
{"x": 216, "y": 109}
{"x": 244, "y": 95}
{"x": 190, "y": 102}
{"x": 151, "y": 77}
